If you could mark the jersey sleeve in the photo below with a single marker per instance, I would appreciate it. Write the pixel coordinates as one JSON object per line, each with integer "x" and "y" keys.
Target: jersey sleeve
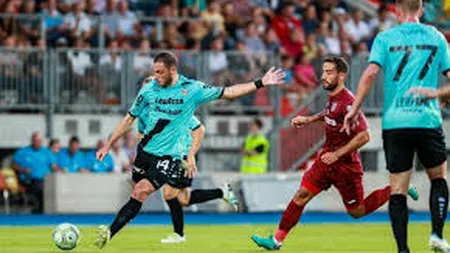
{"x": 205, "y": 93}
{"x": 378, "y": 52}
{"x": 139, "y": 103}
{"x": 194, "y": 123}
{"x": 444, "y": 65}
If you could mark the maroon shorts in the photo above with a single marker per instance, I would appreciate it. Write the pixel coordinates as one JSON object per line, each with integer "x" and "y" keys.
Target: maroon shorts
{"x": 346, "y": 177}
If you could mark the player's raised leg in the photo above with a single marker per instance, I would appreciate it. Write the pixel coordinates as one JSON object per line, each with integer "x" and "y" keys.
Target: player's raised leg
{"x": 140, "y": 193}
{"x": 351, "y": 189}
{"x": 188, "y": 197}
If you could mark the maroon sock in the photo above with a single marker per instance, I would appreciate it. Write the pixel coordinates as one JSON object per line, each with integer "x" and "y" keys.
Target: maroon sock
{"x": 290, "y": 218}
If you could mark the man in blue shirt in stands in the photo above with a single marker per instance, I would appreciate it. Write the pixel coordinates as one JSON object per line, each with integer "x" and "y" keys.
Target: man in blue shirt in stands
{"x": 72, "y": 159}
{"x": 96, "y": 166}
{"x": 33, "y": 163}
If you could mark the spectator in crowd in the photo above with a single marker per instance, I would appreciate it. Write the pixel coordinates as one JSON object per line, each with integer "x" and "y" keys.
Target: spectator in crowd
{"x": 54, "y": 146}
{"x": 189, "y": 61}
{"x": 142, "y": 60}
{"x": 192, "y": 8}
{"x": 329, "y": 41}
{"x": 112, "y": 59}
{"x": 33, "y": 163}
{"x": 111, "y": 18}
{"x": 312, "y": 49}
{"x": 94, "y": 19}
{"x": 213, "y": 16}
{"x": 251, "y": 38}
{"x": 77, "y": 23}
{"x": 310, "y": 21}
{"x": 305, "y": 75}
{"x": 256, "y": 150}
{"x": 95, "y": 166}
{"x": 128, "y": 24}
{"x": 79, "y": 60}
{"x": 231, "y": 21}
{"x": 53, "y": 21}
{"x": 72, "y": 159}
{"x": 173, "y": 37}
{"x": 9, "y": 25}
{"x": 243, "y": 9}
{"x": 218, "y": 61}
{"x": 120, "y": 158}
{"x": 381, "y": 22}
{"x": 271, "y": 41}
{"x": 260, "y": 22}
{"x": 356, "y": 28}
{"x": 29, "y": 27}
{"x": 289, "y": 29}
{"x": 293, "y": 93}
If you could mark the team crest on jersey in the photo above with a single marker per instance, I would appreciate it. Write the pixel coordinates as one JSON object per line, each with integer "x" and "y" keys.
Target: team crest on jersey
{"x": 184, "y": 92}
{"x": 349, "y": 108}
{"x": 333, "y": 106}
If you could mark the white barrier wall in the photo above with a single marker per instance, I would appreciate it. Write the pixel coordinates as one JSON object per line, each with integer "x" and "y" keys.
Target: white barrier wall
{"x": 16, "y": 129}
{"x": 87, "y": 193}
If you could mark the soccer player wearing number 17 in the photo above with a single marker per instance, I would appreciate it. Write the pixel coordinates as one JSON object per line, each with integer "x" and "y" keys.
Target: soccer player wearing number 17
{"x": 411, "y": 55}
{"x": 172, "y": 100}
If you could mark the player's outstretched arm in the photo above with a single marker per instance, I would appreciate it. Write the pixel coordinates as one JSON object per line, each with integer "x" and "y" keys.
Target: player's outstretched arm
{"x": 300, "y": 120}
{"x": 197, "y": 139}
{"x": 120, "y": 130}
{"x": 365, "y": 84}
{"x": 272, "y": 77}
{"x": 354, "y": 144}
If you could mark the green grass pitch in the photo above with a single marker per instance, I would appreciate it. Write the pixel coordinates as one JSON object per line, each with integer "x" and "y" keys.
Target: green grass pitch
{"x": 309, "y": 238}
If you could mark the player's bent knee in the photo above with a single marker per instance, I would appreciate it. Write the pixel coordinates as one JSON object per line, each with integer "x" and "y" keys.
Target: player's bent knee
{"x": 302, "y": 197}
{"x": 356, "y": 213}
{"x": 437, "y": 172}
{"x": 183, "y": 201}
{"x": 142, "y": 190}
{"x": 184, "y": 196}
{"x": 170, "y": 193}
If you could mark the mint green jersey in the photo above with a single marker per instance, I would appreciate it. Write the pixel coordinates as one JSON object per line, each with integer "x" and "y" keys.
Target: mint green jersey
{"x": 194, "y": 124}
{"x": 169, "y": 111}
{"x": 411, "y": 55}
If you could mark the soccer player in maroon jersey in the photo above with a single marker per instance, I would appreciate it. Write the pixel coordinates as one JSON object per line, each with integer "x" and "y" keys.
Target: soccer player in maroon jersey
{"x": 339, "y": 164}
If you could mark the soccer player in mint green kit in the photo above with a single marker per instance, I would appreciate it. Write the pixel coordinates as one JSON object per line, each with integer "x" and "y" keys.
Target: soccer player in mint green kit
{"x": 172, "y": 100}
{"x": 177, "y": 192}
{"x": 412, "y": 55}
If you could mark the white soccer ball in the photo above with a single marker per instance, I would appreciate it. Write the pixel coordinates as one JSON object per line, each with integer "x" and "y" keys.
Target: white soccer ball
{"x": 66, "y": 236}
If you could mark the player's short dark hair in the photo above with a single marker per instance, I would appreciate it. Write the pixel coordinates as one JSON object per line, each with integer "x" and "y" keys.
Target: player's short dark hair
{"x": 409, "y": 5}
{"x": 74, "y": 139}
{"x": 258, "y": 123}
{"x": 167, "y": 58}
{"x": 340, "y": 62}
{"x": 53, "y": 141}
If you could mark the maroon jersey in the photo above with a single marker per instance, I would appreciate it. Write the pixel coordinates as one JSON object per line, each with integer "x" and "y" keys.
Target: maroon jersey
{"x": 335, "y": 111}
